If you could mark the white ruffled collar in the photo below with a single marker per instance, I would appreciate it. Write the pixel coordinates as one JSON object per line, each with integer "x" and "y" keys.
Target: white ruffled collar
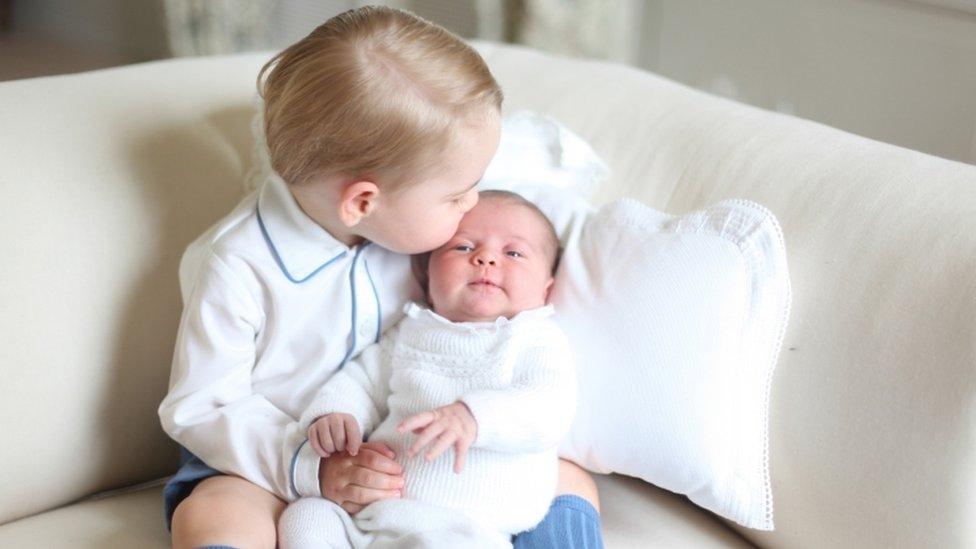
{"x": 424, "y": 314}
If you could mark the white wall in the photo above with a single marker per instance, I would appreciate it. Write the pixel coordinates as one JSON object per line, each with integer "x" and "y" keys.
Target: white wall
{"x": 899, "y": 71}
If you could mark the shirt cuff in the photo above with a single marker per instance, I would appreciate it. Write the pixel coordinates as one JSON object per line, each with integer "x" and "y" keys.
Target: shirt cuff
{"x": 305, "y": 472}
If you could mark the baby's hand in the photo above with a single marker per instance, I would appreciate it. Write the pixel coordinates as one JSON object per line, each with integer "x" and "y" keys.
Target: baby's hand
{"x": 333, "y": 433}
{"x": 449, "y": 425}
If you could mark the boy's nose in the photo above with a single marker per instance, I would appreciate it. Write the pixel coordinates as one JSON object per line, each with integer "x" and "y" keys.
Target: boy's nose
{"x": 484, "y": 259}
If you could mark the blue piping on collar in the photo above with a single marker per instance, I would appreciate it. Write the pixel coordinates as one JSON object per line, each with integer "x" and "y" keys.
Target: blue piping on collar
{"x": 281, "y": 264}
{"x": 379, "y": 310}
{"x": 352, "y": 289}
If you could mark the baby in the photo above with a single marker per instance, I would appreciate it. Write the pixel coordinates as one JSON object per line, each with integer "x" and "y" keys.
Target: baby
{"x": 485, "y": 371}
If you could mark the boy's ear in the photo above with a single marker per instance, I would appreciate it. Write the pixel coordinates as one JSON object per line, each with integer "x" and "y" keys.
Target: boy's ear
{"x": 548, "y": 289}
{"x": 356, "y": 201}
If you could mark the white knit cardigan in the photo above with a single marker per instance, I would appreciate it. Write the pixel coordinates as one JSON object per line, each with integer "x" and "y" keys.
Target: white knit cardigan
{"x": 517, "y": 378}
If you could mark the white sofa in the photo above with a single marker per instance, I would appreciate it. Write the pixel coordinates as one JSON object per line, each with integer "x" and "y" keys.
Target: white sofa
{"x": 106, "y": 176}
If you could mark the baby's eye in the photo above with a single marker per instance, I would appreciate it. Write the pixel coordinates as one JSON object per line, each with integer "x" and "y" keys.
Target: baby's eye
{"x": 514, "y": 253}
{"x": 463, "y": 248}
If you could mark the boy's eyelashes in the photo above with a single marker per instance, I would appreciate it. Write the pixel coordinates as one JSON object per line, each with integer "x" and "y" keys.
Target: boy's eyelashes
{"x": 460, "y": 198}
{"x": 463, "y": 196}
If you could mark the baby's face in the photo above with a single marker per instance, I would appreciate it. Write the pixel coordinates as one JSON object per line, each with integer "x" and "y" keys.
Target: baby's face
{"x": 496, "y": 264}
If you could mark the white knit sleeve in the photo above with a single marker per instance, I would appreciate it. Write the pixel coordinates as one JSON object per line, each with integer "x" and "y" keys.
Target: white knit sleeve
{"x": 360, "y": 388}
{"x": 536, "y": 410}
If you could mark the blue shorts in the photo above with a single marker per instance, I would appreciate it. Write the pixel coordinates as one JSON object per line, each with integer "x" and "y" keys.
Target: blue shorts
{"x": 192, "y": 471}
{"x": 571, "y": 521}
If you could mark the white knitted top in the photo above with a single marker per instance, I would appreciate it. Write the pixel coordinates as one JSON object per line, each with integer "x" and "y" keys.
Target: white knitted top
{"x": 517, "y": 378}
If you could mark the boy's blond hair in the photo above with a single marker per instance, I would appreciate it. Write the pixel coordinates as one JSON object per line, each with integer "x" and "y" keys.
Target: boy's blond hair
{"x": 374, "y": 92}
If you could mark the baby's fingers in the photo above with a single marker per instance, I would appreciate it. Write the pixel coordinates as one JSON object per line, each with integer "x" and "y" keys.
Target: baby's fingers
{"x": 313, "y": 439}
{"x": 460, "y": 454}
{"x": 416, "y": 421}
{"x": 370, "y": 458}
{"x": 323, "y": 438}
{"x": 338, "y": 430}
{"x": 443, "y": 442}
{"x": 380, "y": 448}
{"x": 430, "y": 433}
{"x": 365, "y": 496}
{"x": 353, "y": 436}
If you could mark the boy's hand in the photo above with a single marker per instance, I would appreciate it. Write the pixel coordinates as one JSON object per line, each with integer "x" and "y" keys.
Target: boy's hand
{"x": 353, "y": 482}
{"x": 333, "y": 433}
{"x": 449, "y": 425}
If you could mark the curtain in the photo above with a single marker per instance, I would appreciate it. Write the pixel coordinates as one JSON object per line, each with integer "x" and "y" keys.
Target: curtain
{"x": 604, "y": 29}
{"x": 209, "y": 27}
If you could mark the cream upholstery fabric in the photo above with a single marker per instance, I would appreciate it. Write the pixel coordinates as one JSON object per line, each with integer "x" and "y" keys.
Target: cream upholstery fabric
{"x": 636, "y": 515}
{"x": 106, "y": 176}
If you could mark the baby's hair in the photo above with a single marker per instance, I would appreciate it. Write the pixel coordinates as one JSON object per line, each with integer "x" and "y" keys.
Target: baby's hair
{"x": 373, "y": 92}
{"x": 420, "y": 263}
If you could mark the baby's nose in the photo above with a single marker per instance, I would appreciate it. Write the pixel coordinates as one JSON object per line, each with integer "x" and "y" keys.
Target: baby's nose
{"x": 483, "y": 259}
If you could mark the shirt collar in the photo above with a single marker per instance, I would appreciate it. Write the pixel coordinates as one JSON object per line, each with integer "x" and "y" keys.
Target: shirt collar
{"x": 300, "y": 246}
{"x": 425, "y": 314}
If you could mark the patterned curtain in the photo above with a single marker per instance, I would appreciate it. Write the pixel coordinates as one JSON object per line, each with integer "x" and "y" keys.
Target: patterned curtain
{"x": 210, "y": 27}
{"x": 604, "y": 29}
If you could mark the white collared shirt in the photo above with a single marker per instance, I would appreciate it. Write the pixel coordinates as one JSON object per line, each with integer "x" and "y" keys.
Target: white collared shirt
{"x": 273, "y": 306}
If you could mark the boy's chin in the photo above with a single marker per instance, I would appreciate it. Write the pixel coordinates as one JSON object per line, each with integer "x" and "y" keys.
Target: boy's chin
{"x": 404, "y": 249}
{"x": 407, "y": 246}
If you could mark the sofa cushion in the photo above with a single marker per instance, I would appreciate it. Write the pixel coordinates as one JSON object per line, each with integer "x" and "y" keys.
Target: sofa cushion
{"x": 634, "y": 515}
{"x": 124, "y": 520}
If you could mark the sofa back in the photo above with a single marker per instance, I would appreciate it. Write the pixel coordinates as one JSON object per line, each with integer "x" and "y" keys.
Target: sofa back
{"x": 106, "y": 176}
{"x": 873, "y": 404}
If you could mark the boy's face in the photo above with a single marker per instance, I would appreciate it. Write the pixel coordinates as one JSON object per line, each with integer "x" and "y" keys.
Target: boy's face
{"x": 497, "y": 264}
{"x": 425, "y": 215}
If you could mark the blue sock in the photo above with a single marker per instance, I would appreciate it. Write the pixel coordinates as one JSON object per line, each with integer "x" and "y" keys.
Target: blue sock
{"x": 571, "y": 522}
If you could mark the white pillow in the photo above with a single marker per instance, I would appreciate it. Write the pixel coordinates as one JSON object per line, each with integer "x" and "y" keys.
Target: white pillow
{"x": 677, "y": 323}
{"x": 537, "y": 149}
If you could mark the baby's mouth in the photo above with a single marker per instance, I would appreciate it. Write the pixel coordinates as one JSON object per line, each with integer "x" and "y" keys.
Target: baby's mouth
{"x": 484, "y": 283}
